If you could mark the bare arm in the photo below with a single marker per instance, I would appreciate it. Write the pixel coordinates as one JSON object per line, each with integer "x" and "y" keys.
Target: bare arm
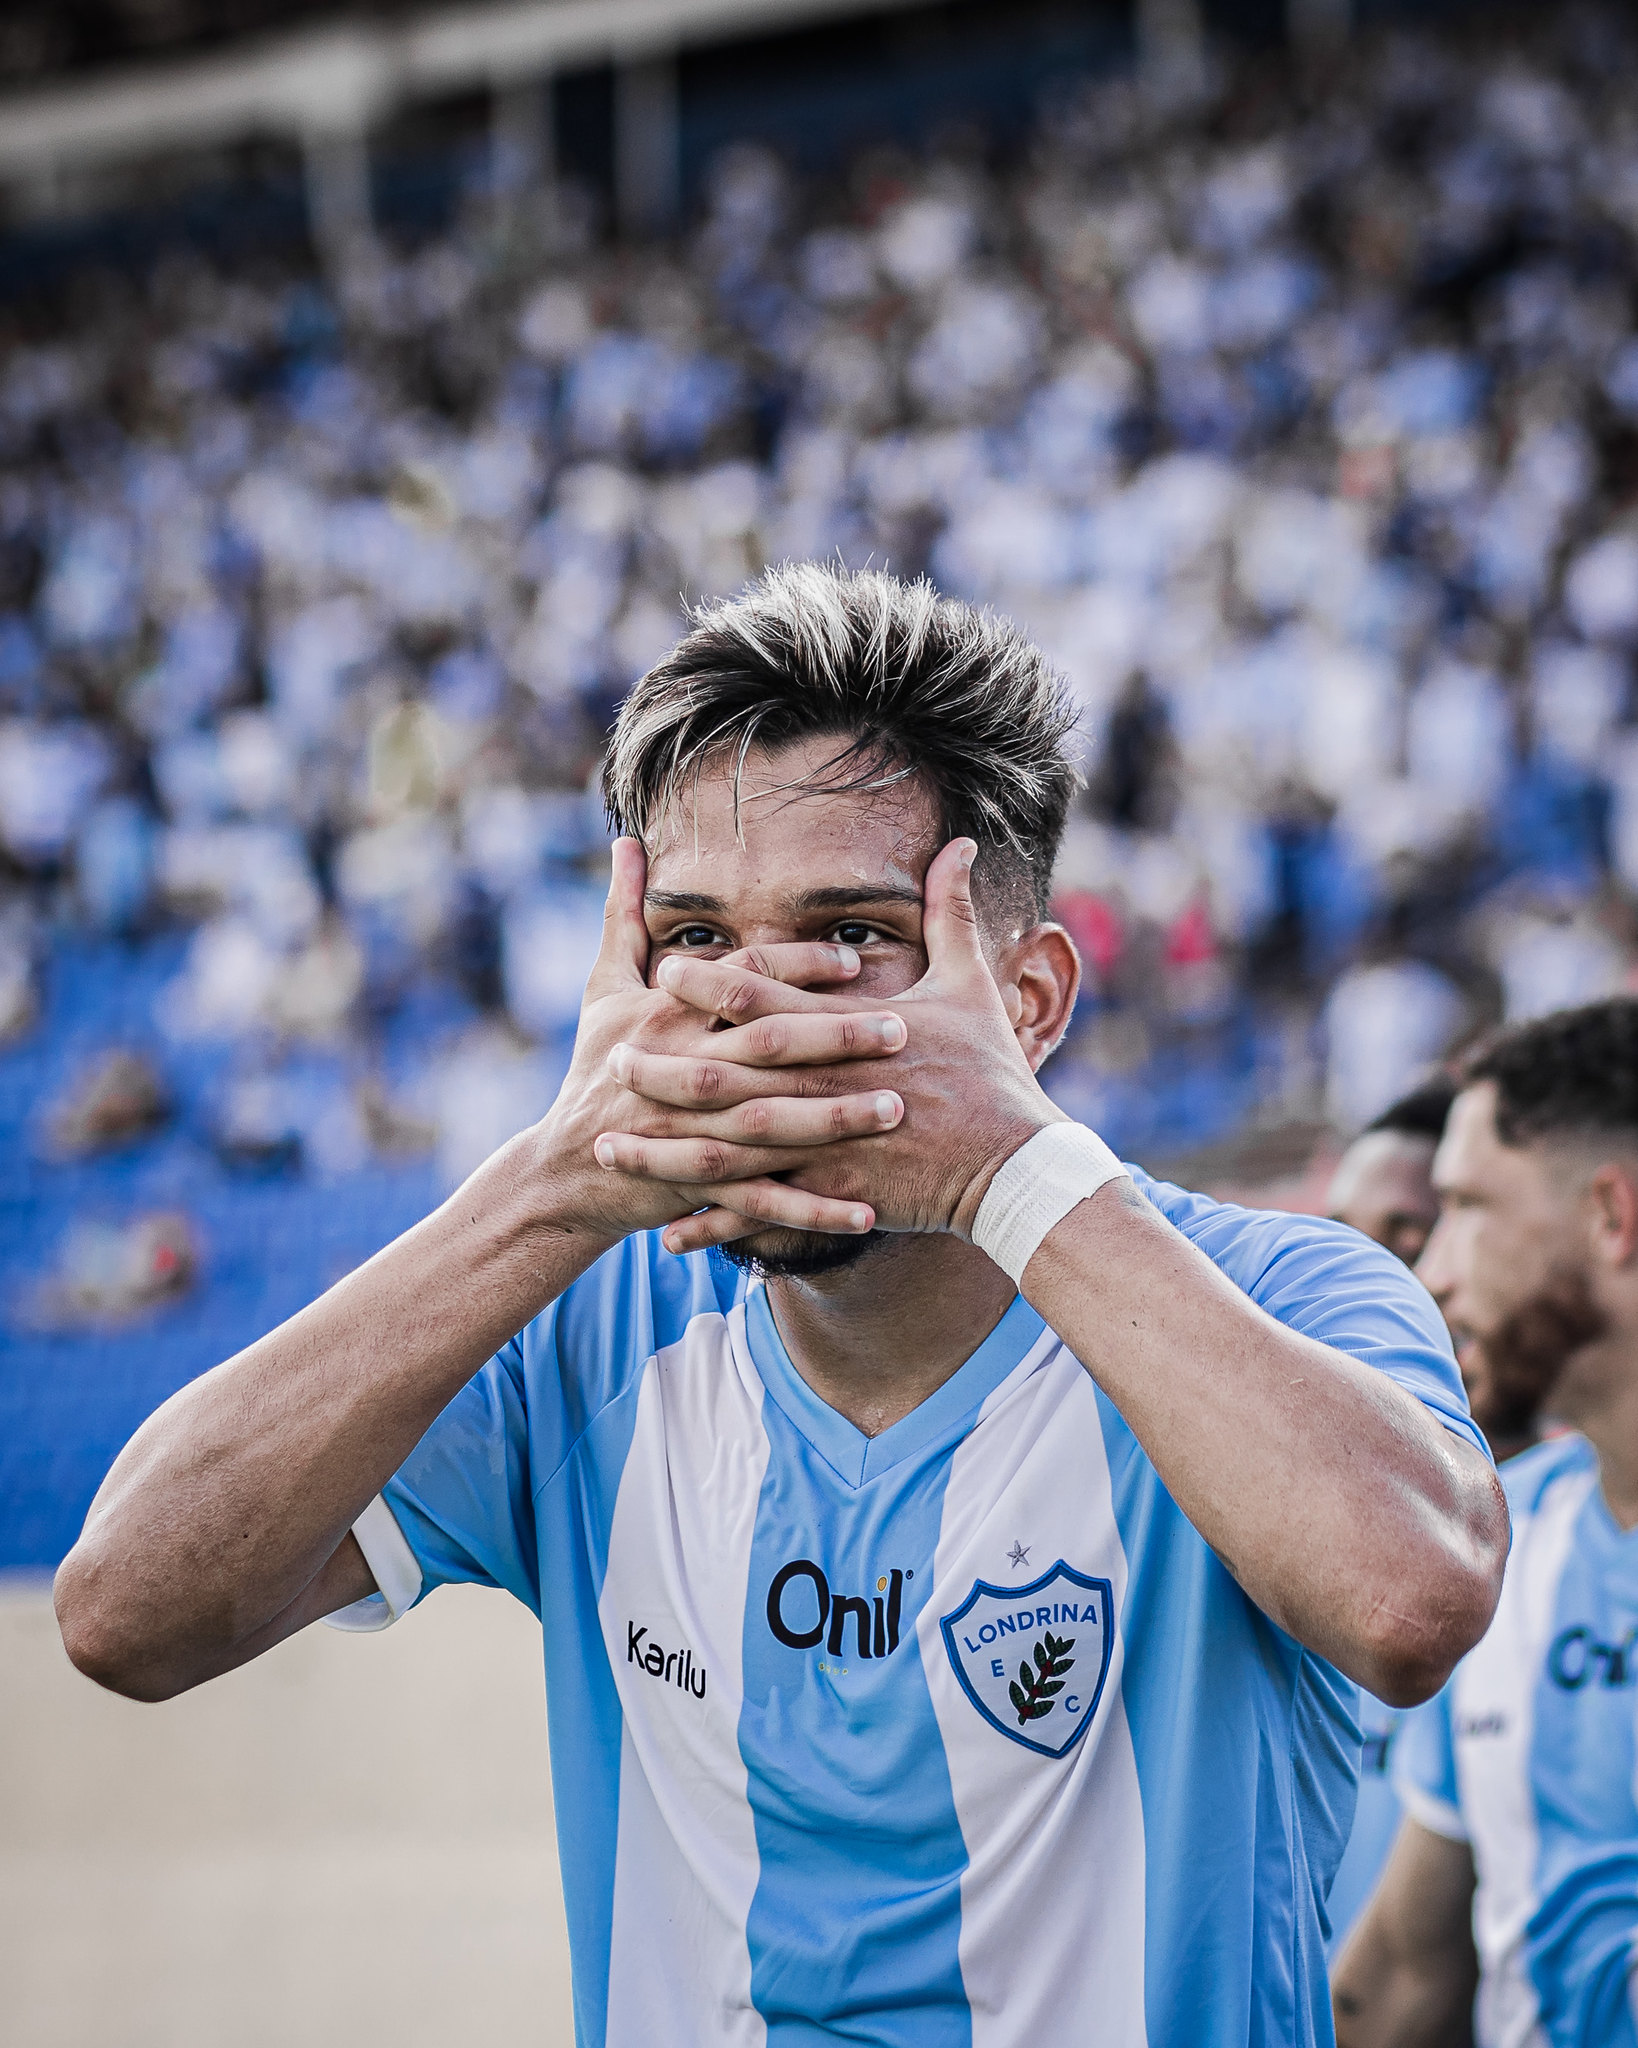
{"x": 213, "y": 1535}
{"x": 223, "y": 1525}
{"x": 1345, "y": 1509}
{"x": 1407, "y": 1976}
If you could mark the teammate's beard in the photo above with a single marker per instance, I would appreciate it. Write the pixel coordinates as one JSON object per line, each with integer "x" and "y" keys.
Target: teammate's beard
{"x": 799, "y": 1254}
{"x": 1526, "y": 1352}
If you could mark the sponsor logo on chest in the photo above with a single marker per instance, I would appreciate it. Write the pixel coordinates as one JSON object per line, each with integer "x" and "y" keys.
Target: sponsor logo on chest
{"x": 804, "y": 1610}
{"x": 1033, "y": 1659}
{"x": 1578, "y": 1657}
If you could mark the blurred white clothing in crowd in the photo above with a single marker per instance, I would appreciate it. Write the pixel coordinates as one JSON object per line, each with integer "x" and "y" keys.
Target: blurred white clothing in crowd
{"x": 333, "y": 596}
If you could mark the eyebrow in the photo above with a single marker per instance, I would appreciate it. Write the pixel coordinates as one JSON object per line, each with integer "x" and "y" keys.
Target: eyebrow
{"x": 809, "y": 899}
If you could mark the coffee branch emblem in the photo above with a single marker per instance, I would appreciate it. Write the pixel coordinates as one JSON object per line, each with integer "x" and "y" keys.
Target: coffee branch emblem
{"x": 1034, "y": 1692}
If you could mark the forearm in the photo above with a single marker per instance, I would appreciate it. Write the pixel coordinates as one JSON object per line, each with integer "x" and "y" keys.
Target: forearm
{"x": 1345, "y": 1511}
{"x": 1412, "y": 2003}
{"x": 1407, "y": 1974}
{"x": 229, "y": 1503}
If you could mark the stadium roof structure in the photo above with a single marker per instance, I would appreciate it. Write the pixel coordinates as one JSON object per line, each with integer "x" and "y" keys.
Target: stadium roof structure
{"x": 342, "y": 76}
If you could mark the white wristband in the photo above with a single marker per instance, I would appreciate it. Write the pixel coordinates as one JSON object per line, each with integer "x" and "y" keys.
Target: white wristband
{"x": 1037, "y": 1188}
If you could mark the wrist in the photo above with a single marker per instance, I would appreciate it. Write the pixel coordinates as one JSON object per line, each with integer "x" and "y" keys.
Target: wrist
{"x": 556, "y": 1186}
{"x": 1006, "y": 1145}
{"x": 1033, "y": 1190}
{"x": 514, "y": 1227}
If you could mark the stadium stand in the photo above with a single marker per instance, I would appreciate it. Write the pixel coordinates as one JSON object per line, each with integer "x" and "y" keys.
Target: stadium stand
{"x": 1297, "y": 416}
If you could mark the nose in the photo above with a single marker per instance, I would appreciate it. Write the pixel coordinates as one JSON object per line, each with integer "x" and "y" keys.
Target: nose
{"x": 1433, "y": 1268}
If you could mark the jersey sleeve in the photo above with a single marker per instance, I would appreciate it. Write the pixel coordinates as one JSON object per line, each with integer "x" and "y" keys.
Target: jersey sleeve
{"x": 461, "y": 1508}
{"x": 1330, "y": 1283}
{"x": 1424, "y": 1769}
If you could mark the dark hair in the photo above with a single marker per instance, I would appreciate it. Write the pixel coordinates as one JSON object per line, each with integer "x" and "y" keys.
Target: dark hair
{"x": 1421, "y": 1113}
{"x": 912, "y": 684}
{"x": 1572, "y": 1074}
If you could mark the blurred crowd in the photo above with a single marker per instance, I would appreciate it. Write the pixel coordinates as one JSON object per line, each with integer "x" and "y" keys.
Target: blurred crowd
{"x": 1299, "y": 423}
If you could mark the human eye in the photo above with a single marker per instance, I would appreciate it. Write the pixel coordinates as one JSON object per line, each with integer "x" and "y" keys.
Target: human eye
{"x": 694, "y": 938}
{"x": 854, "y": 931}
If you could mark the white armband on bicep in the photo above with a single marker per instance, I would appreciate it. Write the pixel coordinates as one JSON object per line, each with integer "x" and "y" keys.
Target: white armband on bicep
{"x": 394, "y": 1567}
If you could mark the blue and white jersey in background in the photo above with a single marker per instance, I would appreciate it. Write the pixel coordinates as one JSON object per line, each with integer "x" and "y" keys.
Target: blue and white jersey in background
{"x": 1529, "y": 1754}
{"x": 959, "y": 1734}
{"x": 1377, "y": 1815}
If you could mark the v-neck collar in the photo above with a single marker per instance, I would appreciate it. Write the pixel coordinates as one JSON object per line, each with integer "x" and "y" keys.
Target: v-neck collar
{"x": 854, "y": 1456}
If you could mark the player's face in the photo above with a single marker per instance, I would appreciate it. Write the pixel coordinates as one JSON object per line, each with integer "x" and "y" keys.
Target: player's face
{"x": 1384, "y": 1187}
{"x": 1507, "y": 1265}
{"x": 801, "y": 865}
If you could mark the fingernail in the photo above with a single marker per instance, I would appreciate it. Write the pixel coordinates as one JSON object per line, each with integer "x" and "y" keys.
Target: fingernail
{"x": 604, "y": 1149}
{"x": 668, "y": 970}
{"x": 859, "y": 1219}
{"x": 969, "y": 852}
{"x": 847, "y": 960}
{"x": 892, "y": 1031}
{"x": 887, "y": 1109}
{"x": 620, "y": 1062}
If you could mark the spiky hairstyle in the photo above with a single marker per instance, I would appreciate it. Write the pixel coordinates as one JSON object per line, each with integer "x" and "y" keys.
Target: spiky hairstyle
{"x": 1572, "y": 1074}
{"x": 913, "y": 685}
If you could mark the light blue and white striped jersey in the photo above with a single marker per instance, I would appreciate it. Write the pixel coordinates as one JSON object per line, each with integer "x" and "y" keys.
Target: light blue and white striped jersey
{"x": 959, "y": 1736}
{"x": 1529, "y": 1754}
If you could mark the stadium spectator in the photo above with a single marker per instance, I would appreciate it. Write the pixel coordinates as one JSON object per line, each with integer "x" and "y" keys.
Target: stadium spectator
{"x": 1517, "y": 1779}
{"x": 688, "y": 1465}
{"x": 1313, "y": 410}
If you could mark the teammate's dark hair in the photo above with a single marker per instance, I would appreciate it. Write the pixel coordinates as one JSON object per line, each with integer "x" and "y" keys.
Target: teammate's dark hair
{"x": 911, "y": 684}
{"x": 1421, "y": 1113}
{"x": 1571, "y": 1074}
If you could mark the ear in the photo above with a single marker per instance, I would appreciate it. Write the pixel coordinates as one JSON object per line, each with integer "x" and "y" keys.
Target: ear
{"x": 1039, "y": 975}
{"x": 1613, "y": 1194}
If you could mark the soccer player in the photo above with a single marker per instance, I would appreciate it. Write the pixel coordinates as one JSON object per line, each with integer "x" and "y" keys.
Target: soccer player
{"x": 1521, "y": 1832}
{"x": 1383, "y": 1186}
{"x": 952, "y": 1591}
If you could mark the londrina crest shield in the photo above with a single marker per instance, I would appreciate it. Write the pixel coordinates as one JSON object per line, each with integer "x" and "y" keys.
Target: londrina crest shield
{"x": 1033, "y": 1659}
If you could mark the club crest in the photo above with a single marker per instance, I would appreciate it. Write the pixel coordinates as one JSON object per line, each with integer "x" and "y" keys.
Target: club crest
{"x": 1033, "y": 1659}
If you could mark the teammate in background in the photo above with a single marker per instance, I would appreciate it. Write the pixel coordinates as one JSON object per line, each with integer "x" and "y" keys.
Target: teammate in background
{"x": 1518, "y": 1779}
{"x": 1383, "y": 1186}
{"x": 951, "y": 1596}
